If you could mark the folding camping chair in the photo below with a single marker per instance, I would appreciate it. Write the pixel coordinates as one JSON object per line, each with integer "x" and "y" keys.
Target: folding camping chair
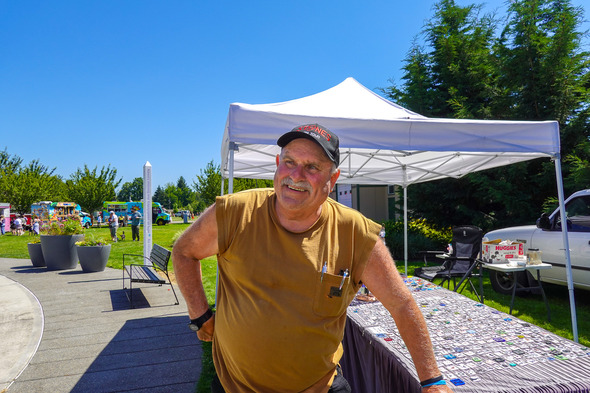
{"x": 461, "y": 263}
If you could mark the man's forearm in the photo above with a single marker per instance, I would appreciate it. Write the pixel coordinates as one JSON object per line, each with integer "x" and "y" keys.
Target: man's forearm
{"x": 197, "y": 242}
{"x": 190, "y": 281}
{"x": 413, "y": 330}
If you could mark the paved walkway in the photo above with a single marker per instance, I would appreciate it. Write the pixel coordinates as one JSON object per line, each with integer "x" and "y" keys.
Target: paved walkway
{"x": 70, "y": 331}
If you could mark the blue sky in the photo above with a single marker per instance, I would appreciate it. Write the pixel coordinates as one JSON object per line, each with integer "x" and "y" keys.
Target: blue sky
{"x": 121, "y": 83}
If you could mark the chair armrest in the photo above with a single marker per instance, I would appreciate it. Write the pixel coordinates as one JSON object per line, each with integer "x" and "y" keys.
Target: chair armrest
{"x": 427, "y": 254}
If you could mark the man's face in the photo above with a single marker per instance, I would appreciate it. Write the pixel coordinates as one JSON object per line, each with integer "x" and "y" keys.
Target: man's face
{"x": 303, "y": 179}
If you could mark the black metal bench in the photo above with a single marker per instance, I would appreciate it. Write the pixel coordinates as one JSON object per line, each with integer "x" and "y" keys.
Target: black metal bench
{"x": 159, "y": 258}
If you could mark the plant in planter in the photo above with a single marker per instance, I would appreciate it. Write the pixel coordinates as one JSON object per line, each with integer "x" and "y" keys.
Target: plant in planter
{"x": 36, "y": 253}
{"x": 58, "y": 243}
{"x": 93, "y": 254}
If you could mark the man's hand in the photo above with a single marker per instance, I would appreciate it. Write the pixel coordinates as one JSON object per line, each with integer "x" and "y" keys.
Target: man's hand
{"x": 205, "y": 333}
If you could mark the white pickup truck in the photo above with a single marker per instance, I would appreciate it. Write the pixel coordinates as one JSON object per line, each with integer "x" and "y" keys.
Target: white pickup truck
{"x": 546, "y": 236}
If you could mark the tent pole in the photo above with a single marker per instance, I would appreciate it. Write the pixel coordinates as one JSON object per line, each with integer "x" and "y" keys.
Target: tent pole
{"x": 222, "y": 184}
{"x": 406, "y": 229}
{"x": 230, "y": 185}
{"x": 405, "y": 186}
{"x": 566, "y": 246}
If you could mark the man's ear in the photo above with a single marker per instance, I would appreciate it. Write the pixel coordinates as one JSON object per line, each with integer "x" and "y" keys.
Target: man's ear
{"x": 277, "y": 160}
{"x": 334, "y": 177}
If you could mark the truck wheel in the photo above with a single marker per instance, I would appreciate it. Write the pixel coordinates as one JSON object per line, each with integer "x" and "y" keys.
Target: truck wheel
{"x": 87, "y": 225}
{"x": 503, "y": 282}
{"x": 160, "y": 222}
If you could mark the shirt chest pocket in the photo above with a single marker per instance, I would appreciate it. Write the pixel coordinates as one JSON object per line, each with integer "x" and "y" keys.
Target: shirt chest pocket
{"x": 331, "y": 295}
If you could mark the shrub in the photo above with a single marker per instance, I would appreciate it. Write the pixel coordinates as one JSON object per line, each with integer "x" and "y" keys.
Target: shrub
{"x": 422, "y": 236}
{"x": 70, "y": 226}
{"x": 92, "y": 241}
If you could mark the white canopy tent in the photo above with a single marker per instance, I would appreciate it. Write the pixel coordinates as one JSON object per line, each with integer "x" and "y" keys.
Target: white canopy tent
{"x": 383, "y": 143}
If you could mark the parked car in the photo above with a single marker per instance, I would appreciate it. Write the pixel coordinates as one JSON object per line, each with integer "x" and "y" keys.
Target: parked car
{"x": 546, "y": 236}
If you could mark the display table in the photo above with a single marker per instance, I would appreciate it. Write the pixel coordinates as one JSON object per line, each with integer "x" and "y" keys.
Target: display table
{"x": 477, "y": 347}
{"x": 506, "y": 268}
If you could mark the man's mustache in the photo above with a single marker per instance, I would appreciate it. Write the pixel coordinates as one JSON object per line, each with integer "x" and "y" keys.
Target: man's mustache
{"x": 301, "y": 185}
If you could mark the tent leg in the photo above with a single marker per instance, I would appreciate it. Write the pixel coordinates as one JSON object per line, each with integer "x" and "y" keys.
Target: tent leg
{"x": 406, "y": 230}
{"x": 230, "y": 184}
{"x": 566, "y": 246}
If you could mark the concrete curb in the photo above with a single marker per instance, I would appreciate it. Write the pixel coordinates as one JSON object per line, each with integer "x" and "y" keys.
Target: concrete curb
{"x": 21, "y": 329}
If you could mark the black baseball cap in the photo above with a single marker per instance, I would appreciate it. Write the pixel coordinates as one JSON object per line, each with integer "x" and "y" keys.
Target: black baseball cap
{"x": 317, "y": 133}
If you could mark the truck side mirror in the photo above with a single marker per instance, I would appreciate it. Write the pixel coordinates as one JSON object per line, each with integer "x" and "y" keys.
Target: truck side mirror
{"x": 543, "y": 222}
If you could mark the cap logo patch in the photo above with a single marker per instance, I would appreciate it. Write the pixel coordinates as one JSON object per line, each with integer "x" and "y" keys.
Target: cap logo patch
{"x": 313, "y": 130}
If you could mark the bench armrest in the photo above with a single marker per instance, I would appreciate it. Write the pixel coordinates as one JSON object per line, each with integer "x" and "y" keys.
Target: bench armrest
{"x": 134, "y": 255}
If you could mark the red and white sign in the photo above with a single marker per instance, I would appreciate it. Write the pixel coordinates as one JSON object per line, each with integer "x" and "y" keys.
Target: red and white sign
{"x": 496, "y": 252}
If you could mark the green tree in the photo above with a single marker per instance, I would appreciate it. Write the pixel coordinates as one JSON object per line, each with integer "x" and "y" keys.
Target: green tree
{"x": 453, "y": 76}
{"x": 208, "y": 184}
{"x": 461, "y": 61}
{"x": 160, "y": 196}
{"x": 90, "y": 189}
{"x": 543, "y": 63}
{"x": 9, "y": 163}
{"x": 171, "y": 201}
{"x": 23, "y": 186}
{"x": 185, "y": 195}
{"x": 535, "y": 70}
{"x": 247, "y": 184}
{"x": 131, "y": 191}
{"x": 417, "y": 92}
{"x": 456, "y": 78}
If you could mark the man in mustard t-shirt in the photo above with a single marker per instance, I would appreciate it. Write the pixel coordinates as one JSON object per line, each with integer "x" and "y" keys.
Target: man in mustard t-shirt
{"x": 290, "y": 261}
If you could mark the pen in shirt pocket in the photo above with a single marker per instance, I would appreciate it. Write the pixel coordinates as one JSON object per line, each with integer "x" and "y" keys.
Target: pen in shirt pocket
{"x": 324, "y": 269}
{"x": 344, "y": 275}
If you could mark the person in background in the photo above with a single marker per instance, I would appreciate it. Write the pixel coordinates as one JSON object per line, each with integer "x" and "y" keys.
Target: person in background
{"x": 113, "y": 225}
{"x": 135, "y": 220}
{"x": 290, "y": 261}
{"x": 18, "y": 225}
{"x": 36, "y": 226}
{"x": 2, "y": 230}
{"x": 99, "y": 219}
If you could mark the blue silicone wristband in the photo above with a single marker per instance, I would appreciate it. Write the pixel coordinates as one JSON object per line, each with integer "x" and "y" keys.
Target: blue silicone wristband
{"x": 441, "y": 382}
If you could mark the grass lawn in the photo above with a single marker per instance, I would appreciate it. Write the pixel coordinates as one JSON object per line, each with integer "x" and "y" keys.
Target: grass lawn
{"x": 529, "y": 308}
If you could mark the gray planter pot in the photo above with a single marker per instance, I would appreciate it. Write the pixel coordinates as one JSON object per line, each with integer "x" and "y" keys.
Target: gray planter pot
{"x": 59, "y": 252}
{"x": 36, "y": 254}
{"x": 94, "y": 258}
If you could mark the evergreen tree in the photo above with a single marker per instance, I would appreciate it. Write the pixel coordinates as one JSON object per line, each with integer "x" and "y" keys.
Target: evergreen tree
{"x": 417, "y": 92}
{"x": 185, "y": 195}
{"x": 461, "y": 61}
{"x": 546, "y": 69}
{"x": 455, "y": 78}
{"x": 535, "y": 70}
{"x": 160, "y": 196}
{"x": 171, "y": 201}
